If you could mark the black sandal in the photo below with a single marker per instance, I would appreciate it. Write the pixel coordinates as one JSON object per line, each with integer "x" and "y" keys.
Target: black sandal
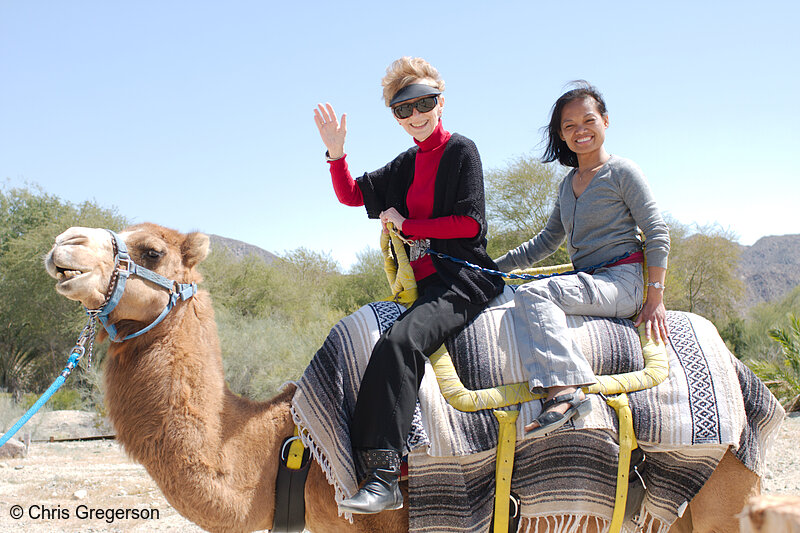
{"x": 552, "y": 420}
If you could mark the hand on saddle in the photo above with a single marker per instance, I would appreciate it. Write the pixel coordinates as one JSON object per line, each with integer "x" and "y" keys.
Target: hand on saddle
{"x": 654, "y": 318}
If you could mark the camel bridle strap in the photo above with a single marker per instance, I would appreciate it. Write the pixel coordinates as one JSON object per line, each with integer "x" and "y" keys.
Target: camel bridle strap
{"x": 124, "y": 267}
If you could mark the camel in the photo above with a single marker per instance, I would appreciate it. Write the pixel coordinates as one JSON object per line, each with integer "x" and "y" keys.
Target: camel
{"x": 212, "y": 453}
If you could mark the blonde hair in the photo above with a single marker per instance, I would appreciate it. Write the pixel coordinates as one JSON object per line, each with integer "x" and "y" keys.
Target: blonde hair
{"x": 407, "y": 70}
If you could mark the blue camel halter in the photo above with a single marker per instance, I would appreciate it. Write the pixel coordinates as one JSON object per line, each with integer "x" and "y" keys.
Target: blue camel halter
{"x": 124, "y": 267}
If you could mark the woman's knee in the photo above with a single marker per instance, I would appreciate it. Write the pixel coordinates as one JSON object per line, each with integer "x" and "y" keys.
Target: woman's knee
{"x": 394, "y": 341}
{"x": 572, "y": 291}
{"x": 534, "y": 290}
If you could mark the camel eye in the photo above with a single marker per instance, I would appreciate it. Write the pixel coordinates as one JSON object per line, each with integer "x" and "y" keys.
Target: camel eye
{"x": 153, "y": 254}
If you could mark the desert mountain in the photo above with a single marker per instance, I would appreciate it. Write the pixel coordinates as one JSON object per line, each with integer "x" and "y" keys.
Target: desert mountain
{"x": 770, "y": 268}
{"x": 241, "y": 249}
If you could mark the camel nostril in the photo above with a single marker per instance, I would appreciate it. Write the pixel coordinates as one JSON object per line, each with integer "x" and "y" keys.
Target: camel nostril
{"x": 71, "y": 240}
{"x": 74, "y": 237}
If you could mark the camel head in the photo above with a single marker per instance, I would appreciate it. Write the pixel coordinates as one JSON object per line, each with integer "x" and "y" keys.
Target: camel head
{"x": 82, "y": 261}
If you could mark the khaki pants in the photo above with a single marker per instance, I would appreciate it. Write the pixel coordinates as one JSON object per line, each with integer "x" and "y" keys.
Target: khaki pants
{"x": 549, "y": 353}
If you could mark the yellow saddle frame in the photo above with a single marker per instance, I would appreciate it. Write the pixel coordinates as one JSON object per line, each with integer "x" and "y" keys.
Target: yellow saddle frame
{"x": 656, "y": 369}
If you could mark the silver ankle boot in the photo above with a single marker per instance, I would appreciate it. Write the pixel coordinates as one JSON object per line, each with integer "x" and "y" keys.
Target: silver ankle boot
{"x": 381, "y": 490}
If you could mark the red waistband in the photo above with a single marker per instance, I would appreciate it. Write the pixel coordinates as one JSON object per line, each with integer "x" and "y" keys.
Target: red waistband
{"x": 636, "y": 257}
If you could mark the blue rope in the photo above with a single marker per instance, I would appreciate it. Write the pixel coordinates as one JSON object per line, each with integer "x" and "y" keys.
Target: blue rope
{"x": 43, "y": 398}
{"x": 72, "y": 362}
{"x": 527, "y": 277}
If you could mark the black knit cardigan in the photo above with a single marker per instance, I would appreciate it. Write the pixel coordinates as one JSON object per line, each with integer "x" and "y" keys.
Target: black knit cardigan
{"x": 458, "y": 191}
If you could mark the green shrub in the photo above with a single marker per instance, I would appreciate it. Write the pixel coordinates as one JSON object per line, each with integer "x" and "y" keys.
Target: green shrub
{"x": 756, "y": 342}
{"x": 787, "y": 375}
{"x": 66, "y": 399}
{"x": 261, "y": 353}
{"x": 28, "y": 399}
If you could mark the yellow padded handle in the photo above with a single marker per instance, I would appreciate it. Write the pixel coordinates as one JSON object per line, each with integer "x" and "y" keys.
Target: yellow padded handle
{"x": 544, "y": 270}
{"x": 464, "y": 399}
{"x": 398, "y": 268}
{"x": 656, "y": 370}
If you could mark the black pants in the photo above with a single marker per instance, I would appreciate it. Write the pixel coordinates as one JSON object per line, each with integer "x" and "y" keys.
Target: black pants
{"x": 388, "y": 394}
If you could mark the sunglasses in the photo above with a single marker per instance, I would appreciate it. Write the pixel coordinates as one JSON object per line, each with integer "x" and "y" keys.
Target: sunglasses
{"x": 423, "y": 106}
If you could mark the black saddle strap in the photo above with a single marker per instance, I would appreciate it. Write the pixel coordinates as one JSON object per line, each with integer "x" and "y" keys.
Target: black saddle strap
{"x": 290, "y": 504}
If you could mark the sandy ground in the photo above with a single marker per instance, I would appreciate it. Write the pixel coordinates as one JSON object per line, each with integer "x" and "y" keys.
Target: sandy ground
{"x": 57, "y": 484}
{"x": 64, "y": 486}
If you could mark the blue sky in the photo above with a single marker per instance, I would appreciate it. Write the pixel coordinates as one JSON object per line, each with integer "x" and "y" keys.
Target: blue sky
{"x": 198, "y": 115}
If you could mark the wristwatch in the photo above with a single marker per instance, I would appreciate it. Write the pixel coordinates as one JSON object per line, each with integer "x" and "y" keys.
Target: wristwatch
{"x": 656, "y": 285}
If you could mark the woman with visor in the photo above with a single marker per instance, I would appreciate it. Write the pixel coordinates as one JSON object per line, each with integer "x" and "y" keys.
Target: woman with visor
{"x": 433, "y": 193}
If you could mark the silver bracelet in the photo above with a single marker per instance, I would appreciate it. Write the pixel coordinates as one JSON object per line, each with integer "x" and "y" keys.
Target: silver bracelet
{"x": 656, "y": 285}
{"x": 329, "y": 158}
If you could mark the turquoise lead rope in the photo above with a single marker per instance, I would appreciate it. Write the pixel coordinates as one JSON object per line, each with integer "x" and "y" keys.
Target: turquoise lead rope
{"x": 75, "y": 356}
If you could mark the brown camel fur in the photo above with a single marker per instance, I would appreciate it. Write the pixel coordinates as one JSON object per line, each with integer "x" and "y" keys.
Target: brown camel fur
{"x": 212, "y": 453}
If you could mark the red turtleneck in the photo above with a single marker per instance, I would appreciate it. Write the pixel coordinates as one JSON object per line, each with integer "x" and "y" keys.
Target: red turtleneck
{"x": 419, "y": 224}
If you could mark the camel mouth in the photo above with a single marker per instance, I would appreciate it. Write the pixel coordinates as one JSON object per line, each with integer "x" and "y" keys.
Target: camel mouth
{"x": 65, "y": 275}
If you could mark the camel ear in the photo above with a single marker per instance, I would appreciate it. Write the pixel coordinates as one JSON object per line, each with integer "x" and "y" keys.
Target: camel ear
{"x": 195, "y": 248}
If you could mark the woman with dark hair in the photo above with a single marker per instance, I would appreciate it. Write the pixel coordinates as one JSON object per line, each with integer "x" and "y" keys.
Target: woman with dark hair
{"x": 602, "y": 204}
{"x": 433, "y": 193}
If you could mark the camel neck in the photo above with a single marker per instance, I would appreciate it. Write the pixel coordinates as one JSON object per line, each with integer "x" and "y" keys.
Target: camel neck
{"x": 156, "y": 379}
{"x": 201, "y": 443}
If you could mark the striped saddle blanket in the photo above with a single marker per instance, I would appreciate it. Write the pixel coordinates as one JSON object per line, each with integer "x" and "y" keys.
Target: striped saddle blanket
{"x": 709, "y": 402}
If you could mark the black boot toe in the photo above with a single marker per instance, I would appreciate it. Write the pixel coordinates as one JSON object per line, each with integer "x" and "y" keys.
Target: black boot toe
{"x": 381, "y": 490}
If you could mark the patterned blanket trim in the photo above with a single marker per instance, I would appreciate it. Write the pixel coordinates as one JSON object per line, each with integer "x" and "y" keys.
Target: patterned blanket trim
{"x": 318, "y": 454}
{"x": 586, "y": 523}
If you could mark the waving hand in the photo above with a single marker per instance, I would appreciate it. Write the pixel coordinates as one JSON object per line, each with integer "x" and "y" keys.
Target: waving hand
{"x": 331, "y": 131}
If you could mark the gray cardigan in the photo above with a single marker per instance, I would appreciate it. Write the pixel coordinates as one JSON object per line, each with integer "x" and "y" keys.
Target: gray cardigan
{"x": 601, "y": 224}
